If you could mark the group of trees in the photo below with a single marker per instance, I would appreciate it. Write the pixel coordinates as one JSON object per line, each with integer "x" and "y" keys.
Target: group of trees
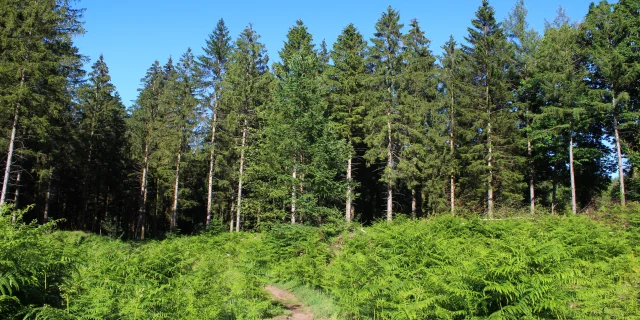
{"x": 365, "y": 130}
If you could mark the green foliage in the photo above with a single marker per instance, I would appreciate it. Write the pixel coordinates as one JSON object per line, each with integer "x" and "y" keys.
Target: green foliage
{"x": 32, "y": 265}
{"x": 200, "y": 277}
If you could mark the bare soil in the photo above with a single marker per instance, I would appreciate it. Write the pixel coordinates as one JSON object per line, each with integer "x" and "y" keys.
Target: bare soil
{"x": 298, "y": 311}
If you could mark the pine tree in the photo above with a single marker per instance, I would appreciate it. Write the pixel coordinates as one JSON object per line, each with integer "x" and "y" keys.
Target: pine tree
{"x": 346, "y": 79}
{"x": 525, "y": 41}
{"x": 493, "y": 156}
{"x": 421, "y": 122}
{"x": 561, "y": 75}
{"x": 102, "y": 129}
{"x": 36, "y": 57}
{"x": 385, "y": 57}
{"x": 297, "y": 147}
{"x": 214, "y": 66}
{"x": 144, "y": 128}
{"x": 452, "y": 75}
{"x": 181, "y": 110}
{"x": 247, "y": 89}
{"x": 608, "y": 34}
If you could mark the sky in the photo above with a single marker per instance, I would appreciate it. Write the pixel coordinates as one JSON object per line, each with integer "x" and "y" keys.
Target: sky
{"x": 132, "y": 34}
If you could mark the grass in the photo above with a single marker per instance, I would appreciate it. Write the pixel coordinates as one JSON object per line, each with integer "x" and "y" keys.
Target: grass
{"x": 320, "y": 304}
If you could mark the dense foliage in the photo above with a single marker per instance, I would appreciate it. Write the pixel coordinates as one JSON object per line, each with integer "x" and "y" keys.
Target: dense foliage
{"x": 440, "y": 268}
{"x": 507, "y": 117}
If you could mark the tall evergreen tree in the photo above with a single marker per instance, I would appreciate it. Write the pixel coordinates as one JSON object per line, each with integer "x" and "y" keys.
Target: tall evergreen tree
{"x": 452, "y": 75}
{"x": 561, "y": 75}
{"x": 102, "y": 130}
{"x": 495, "y": 137}
{"x": 608, "y": 34}
{"x": 421, "y": 122}
{"x": 385, "y": 57}
{"x": 214, "y": 65}
{"x": 247, "y": 90}
{"x": 347, "y": 97}
{"x": 144, "y": 129}
{"x": 525, "y": 42}
{"x": 36, "y": 55}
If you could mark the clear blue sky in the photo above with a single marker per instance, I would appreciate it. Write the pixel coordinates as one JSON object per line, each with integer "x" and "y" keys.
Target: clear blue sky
{"x": 133, "y": 33}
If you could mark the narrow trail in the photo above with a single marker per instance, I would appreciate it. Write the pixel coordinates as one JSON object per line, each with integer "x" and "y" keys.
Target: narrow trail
{"x": 298, "y": 311}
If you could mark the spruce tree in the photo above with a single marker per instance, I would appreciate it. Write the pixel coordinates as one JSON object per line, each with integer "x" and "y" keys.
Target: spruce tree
{"x": 494, "y": 157}
{"x": 561, "y": 74}
{"x": 102, "y": 130}
{"x": 36, "y": 56}
{"x": 609, "y": 35}
{"x": 346, "y": 80}
{"x": 214, "y": 66}
{"x": 144, "y": 129}
{"x": 525, "y": 42}
{"x": 382, "y": 128}
{"x": 246, "y": 91}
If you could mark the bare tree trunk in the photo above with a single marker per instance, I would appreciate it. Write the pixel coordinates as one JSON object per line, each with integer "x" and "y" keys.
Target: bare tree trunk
{"x": 389, "y": 167}
{"x": 293, "y": 192}
{"x": 7, "y": 170}
{"x": 413, "y": 204}
{"x": 16, "y": 196}
{"x": 532, "y": 194}
{"x": 240, "y": 176}
{"x": 620, "y": 162}
{"x": 349, "y": 181}
{"x": 489, "y": 163}
{"x": 211, "y": 165}
{"x": 573, "y": 177}
{"x": 452, "y": 150}
{"x": 231, "y": 220}
{"x": 47, "y": 198}
{"x": 143, "y": 191}
{"x": 174, "y": 208}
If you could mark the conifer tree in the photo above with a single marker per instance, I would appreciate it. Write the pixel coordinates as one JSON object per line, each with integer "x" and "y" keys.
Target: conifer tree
{"x": 421, "y": 122}
{"x": 144, "y": 128}
{"x": 101, "y": 125}
{"x": 608, "y": 34}
{"x": 36, "y": 56}
{"x": 452, "y": 75}
{"x": 180, "y": 108}
{"x": 561, "y": 75}
{"x": 247, "y": 89}
{"x": 493, "y": 156}
{"x": 385, "y": 57}
{"x": 525, "y": 42}
{"x": 214, "y": 66}
{"x": 347, "y": 97}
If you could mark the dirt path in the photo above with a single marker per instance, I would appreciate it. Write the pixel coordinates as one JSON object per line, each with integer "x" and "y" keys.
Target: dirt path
{"x": 298, "y": 311}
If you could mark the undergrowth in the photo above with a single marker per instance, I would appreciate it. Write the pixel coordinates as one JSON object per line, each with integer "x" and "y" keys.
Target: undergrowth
{"x": 440, "y": 268}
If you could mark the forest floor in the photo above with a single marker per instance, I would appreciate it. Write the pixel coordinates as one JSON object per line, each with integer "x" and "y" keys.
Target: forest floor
{"x": 298, "y": 311}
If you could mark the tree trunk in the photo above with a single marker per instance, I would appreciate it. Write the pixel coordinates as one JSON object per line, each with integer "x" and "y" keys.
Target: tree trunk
{"x": 211, "y": 165}
{"x": 231, "y": 220}
{"x": 174, "y": 208}
{"x": 240, "y": 176}
{"x": 573, "y": 177}
{"x": 47, "y": 198}
{"x": 143, "y": 191}
{"x": 389, "y": 168}
{"x": 7, "y": 170}
{"x": 349, "y": 181}
{"x": 620, "y": 162}
{"x": 16, "y": 196}
{"x": 413, "y": 204}
{"x": 553, "y": 196}
{"x": 532, "y": 195}
{"x": 293, "y": 192}
{"x": 489, "y": 162}
{"x": 452, "y": 150}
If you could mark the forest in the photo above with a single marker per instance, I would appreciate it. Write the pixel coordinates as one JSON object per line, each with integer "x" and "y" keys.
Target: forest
{"x": 499, "y": 179}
